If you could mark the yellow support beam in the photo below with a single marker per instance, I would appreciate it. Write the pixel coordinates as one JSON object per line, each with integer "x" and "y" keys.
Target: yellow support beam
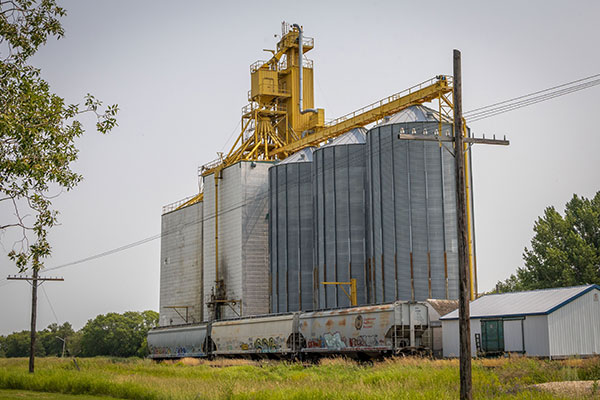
{"x": 468, "y": 191}
{"x": 389, "y": 106}
{"x": 352, "y": 296}
{"x": 196, "y": 199}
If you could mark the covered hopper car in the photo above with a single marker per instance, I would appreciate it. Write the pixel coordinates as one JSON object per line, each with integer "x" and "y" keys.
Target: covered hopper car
{"x": 357, "y": 332}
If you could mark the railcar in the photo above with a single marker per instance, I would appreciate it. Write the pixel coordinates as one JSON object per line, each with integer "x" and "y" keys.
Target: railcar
{"x": 179, "y": 341}
{"x": 358, "y": 332}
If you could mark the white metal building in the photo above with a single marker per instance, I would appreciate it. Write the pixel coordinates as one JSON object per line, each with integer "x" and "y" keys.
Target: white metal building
{"x": 243, "y": 237}
{"x": 551, "y": 323}
{"x": 181, "y": 264}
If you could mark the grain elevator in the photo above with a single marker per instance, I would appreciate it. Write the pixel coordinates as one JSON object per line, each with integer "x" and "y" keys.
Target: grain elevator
{"x": 305, "y": 213}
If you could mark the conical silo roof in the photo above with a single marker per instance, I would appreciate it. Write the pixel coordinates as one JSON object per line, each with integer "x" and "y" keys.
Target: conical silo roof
{"x": 418, "y": 113}
{"x": 354, "y": 136}
{"x": 304, "y": 155}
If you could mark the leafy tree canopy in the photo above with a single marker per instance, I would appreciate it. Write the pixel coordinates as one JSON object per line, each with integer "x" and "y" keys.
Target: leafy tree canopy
{"x": 565, "y": 251}
{"x": 52, "y": 338}
{"x": 113, "y": 334}
{"x": 37, "y": 129}
{"x": 119, "y": 335}
{"x": 17, "y": 345}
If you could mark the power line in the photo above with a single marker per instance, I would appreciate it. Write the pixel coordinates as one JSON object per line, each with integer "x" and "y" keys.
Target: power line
{"x": 532, "y": 94}
{"x": 106, "y": 253}
{"x": 473, "y": 116}
{"x": 148, "y": 239}
{"x": 531, "y": 98}
{"x": 50, "y": 304}
{"x": 154, "y": 237}
{"x": 531, "y": 101}
{"x": 231, "y": 135}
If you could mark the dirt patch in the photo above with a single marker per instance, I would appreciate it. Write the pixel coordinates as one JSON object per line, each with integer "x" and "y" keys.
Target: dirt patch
{"x": 572, "y": 389}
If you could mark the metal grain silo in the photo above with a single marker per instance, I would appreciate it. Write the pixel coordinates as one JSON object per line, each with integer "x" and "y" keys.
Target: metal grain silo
{"x": 291, "y": 233}
{"x": 339, "y": 217}
{"x": 412, "y": 210}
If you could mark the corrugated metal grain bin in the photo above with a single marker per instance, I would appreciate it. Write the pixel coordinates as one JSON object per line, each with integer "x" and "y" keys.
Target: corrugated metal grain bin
{"x": 177, "y": 341}
{"x": 412, "y": 210}
{"x": 291, "y": 233}
{"x": 339, "y": 215}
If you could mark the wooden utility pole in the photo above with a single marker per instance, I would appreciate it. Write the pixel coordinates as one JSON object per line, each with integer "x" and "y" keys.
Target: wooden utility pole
{"x": 464, "y": 294}
{"x": 35, "y": 280}
{"x": 466, "y": 388}
{"x": 32, "y": 332}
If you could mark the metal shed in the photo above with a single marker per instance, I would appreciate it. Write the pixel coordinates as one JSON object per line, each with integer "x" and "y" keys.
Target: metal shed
{"x": 553, "y": 323}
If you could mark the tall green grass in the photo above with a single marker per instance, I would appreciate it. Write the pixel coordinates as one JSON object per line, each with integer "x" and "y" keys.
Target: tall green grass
{"x": 409, "y": 378}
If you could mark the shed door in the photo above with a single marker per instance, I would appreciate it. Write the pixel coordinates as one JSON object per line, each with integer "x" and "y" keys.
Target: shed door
{"x": 513, "y": 335}
{"x": 492, "y": 335}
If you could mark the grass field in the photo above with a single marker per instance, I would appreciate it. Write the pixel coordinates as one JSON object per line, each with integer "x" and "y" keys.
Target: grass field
{"x": 29, "y": 395}
{"x": 407, "y": 378}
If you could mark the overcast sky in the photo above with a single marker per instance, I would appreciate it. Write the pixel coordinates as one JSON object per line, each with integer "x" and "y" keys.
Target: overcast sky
{"x": 180, "y": 73}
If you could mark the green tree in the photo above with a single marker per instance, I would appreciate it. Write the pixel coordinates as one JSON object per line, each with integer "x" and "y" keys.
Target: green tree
{"x": 52, "y": 338}
{"x": 17, "y": 345}
{"x": 119, "y": 335}
{"x": 74, "y": 344}
{"x": 565, "y": 251}
{"x": 2, "y": 346}
{"x": 37, "y": 129}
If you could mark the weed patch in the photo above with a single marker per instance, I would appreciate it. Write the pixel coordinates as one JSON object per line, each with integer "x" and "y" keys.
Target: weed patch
{"x": 337, "y": 378}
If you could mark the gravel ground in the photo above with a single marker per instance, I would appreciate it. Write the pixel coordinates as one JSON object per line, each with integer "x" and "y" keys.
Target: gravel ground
{"x": 579, "y": 389}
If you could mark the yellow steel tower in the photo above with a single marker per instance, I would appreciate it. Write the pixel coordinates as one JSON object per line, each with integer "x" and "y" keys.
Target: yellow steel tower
{"x": 280, "y": 119}
{"x": 273, "y": 118}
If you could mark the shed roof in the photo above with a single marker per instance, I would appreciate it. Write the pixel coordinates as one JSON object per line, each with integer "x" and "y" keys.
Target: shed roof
{"x": 443, "y": 306}
{"x": 534, "y": 302}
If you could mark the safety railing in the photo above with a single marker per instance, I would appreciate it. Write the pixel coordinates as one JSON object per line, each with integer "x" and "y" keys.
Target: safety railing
{"x": 175, "y": 205}
{"x": 252, "y": 106}
{"x": 249, "y": 107}
{"x": 308, "y": 41}
{"x": 390, "y": 99}
{"x": 211, "y": 164}
{"x": 261, "y": 63}
{"x": 281, "y": 66}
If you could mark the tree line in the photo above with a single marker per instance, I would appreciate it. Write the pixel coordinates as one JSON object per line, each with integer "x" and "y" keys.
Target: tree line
{"x": 565, "y": 249}
{"x": 113, "y": 334}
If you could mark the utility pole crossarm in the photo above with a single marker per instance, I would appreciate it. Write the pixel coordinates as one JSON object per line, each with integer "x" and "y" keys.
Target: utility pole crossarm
{"x": 31, "y": 278}
{"x": 469, "y": 140}
{"x": 35, "y": 280}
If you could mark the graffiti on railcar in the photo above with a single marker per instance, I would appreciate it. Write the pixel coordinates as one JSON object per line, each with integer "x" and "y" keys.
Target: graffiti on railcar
{"x": 337, "y": 341}
{"x": 334, "y": 341}
{"x": 263, "y": 344}
{"x": 178, "y": 351}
